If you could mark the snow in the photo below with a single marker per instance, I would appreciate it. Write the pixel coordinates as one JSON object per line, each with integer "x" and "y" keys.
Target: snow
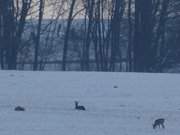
{"x": 48, "y": 97}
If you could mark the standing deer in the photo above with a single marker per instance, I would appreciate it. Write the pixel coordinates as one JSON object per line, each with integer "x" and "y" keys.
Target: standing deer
{"x": 159, "y": 123}
{"x": 77, "y": 107}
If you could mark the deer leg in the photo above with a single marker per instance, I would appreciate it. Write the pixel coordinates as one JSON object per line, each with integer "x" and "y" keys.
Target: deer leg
{"x": 163, "y": 126}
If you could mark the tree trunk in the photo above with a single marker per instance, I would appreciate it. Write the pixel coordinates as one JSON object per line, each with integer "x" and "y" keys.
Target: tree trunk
{"x": 38, "y": 34}
{"x": 66, "y": 40}
{"x": 130, "y": 64}
{"x": 143, "y": 55}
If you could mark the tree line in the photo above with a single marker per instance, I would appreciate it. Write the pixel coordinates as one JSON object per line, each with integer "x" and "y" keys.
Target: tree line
{"x": 144, "y": 32}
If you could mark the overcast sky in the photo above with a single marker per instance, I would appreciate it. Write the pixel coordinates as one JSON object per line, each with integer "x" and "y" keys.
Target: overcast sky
{"x": 52, "y": 8}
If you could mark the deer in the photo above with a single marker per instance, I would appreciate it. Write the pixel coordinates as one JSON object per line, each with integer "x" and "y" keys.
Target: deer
{"x": 78, "y": 107}
{"x": 159, "y": 123}
{"x": 19, "y": 108}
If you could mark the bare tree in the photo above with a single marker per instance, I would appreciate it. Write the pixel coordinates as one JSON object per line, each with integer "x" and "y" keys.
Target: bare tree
{"x": 38, "y": 34}
{"x": 130, "y": 31}
{"x": 118, "y": 11}
{"x": 12, "y": 20}
{"x": 143, "y": 55}
{"x": 66, "y": 39}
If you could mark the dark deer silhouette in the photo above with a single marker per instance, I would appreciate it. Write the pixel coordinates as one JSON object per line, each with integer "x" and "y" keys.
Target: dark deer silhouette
{"x": 19, "y": 108}
{"x": 159, "y": 123}
{"x": 77, "y": 107}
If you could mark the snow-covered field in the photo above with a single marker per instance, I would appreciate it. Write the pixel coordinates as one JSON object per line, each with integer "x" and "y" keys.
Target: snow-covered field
{"x": 49, "y": 99}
